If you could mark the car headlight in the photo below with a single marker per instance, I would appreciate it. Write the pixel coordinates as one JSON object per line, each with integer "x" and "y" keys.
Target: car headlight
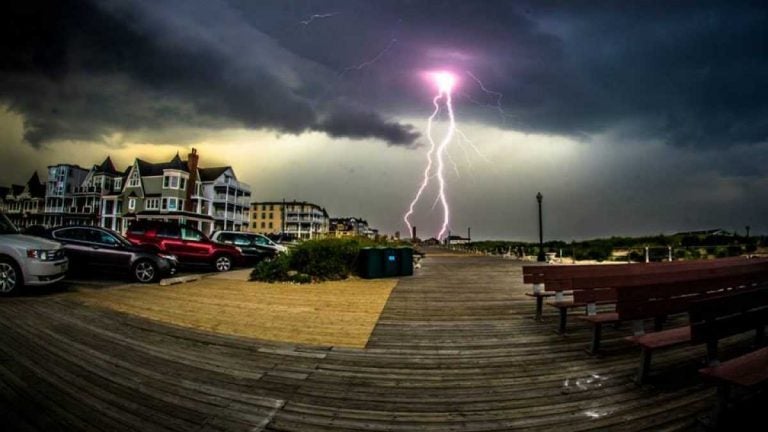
{"x": 41, "y": 254}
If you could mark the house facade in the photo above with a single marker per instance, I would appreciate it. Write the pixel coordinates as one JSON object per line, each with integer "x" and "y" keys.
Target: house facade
{"x": 24, "y": 204}
{"x": 350, "y": 227}
{"x": 60, "y": 207}
{"x": 177, "y": 191}
{"x": 266, "y": 217}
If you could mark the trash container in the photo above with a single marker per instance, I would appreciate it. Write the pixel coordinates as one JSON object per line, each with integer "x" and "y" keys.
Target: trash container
{"x": 391, "y": 262}
{"x": 406, "y": 261}
{"x": 371, "y": 263}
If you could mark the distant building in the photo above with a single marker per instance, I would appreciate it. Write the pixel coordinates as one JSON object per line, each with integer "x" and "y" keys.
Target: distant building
{"x": 266, "y": 217}
{"x": 704, "y": 233}
{"x": 298, "y": 219}
{"x": 457, "y": 240}
{"x": 24, "y": 204}
{"x": 227, "y": 197}
{"x": 350, "y": 227}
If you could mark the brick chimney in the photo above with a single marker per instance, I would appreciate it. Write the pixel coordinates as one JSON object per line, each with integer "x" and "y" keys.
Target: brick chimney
{"x": 192, "y": 160}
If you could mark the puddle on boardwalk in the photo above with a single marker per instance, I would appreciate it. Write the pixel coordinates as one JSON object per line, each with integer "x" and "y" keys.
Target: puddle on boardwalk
{"x": 585, "y": 384}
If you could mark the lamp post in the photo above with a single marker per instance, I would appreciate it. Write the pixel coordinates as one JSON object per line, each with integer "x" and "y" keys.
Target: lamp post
{"x": 540, "y": 257}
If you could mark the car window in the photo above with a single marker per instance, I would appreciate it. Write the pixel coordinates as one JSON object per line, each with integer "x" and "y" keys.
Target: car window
{"x": 242, "y": 240}
{"x": 6, "y": 226}
{"x": 191, "y": 234}
{"x": 172, "y": 231}
{"x": 224, "y": 238}
{"x": 138, "y": 228}
{"x": 259, "y": 240}
{"x": 104, "y": 238}
{"x": 77, "y": 234}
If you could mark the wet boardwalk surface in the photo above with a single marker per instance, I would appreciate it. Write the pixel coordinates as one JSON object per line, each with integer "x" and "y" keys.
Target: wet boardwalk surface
{"x": 455, "y": 348}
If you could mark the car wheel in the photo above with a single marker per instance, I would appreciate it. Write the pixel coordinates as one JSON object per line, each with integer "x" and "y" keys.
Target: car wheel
{"x": 11, "y": 279}
{"x": 145, "y": 271}
{"x": 223, "y": 263}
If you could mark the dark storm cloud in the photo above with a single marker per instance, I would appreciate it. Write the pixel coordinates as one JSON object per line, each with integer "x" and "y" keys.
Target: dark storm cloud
{"x": 82, "y": 70}
{"x": 686, "y": 73}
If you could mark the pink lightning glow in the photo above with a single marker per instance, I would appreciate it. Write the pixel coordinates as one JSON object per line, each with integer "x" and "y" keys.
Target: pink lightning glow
{"x": 445, "y": 82}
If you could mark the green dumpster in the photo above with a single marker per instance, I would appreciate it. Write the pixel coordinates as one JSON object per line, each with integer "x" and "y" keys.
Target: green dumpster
{"x": 371, "y": 263}
{"x": 406, "y": 261}
{"x": 391, "y": 262}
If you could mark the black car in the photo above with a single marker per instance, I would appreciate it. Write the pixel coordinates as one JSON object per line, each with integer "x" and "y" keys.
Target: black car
{"x": 254, "y": 247}
{"x": 92, "y": 249}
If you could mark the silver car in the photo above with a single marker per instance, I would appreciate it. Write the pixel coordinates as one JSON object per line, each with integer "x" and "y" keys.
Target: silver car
{"x": 26, "y": 260}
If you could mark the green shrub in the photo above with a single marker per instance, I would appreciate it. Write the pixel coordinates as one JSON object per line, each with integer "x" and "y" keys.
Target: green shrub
{"x": 273, "y": 270}
{"x": 326, "y": 259}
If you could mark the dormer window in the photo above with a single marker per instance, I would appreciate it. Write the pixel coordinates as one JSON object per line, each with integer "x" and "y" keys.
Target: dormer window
{"x": 118, "y": 184}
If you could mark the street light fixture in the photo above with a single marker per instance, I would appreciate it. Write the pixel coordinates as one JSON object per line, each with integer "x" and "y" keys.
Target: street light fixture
{"x": 540, "y": 257}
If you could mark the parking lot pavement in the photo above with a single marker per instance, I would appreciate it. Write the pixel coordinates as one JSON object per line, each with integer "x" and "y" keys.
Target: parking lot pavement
{"x": 78, "y": 282}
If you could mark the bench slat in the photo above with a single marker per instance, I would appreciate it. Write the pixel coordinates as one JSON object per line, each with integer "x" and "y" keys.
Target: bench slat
{"x": 748, "y": 370}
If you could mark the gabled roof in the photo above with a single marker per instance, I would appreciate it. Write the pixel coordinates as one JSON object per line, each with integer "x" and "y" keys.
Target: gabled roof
{"x": 211, "y": 174}
{"x": 156, "y": 169}
{"x": 4, "y": 191}
{"x": 17, "y": 189}
{"x": 36, "y": 187}
{"x": 106, "y": 167}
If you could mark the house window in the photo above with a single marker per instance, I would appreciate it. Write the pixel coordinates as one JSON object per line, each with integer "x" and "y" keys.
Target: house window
{"x": 263, "y": 215}
{"x": 264, "y": 207}
{"x": 152, "y": 204}
{"x": 118, "y": 184}
{"x": 270, "y": 225}
{"x": 170, "y": 182}
{"x": 131, "y": 203}
{"x": 270, "y": 216}
{"x": 270, "y": 207}
{"x": 263, "y": 225}
{"x": 172, "y": 204}
{"x": 255, "y": 225}
{"x": 134, "y": 180}
{"x": 182, "y": 183}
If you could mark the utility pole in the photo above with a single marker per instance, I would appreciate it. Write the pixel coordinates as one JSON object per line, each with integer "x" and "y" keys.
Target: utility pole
{"x": 469, "y": 234}
{"x": 540, "y": 257}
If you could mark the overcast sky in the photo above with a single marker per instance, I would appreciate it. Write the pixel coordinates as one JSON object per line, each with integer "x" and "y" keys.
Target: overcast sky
{"x": 629, "y": 117}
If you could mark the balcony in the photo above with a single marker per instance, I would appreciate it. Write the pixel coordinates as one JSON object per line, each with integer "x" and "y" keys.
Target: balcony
{"x": 92, "y": 190}
{"x": 230, "y": 216}
{"x": 233, "y": 185}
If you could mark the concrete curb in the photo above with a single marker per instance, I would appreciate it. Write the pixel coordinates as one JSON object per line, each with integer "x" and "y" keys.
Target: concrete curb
{"x": 180, "y": 279}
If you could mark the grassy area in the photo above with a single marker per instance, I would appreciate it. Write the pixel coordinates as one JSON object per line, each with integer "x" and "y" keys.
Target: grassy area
{"x": 340, "y": 313}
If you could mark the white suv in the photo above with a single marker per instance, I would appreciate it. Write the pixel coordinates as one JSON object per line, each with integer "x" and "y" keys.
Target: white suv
{"x": 26, "y": 260}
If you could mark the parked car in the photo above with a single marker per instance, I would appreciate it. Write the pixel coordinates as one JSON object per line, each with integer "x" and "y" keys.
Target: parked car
{"x": 255, "y": 247}
{"x": 26, "y": 260}
{"x": 188, "y": 244}
{"x": 95, "y": 249}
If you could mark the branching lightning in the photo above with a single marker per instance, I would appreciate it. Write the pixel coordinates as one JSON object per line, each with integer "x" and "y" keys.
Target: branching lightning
{"x": 445, "y": 82}
{"x": 498, "y": 96}
{"x": 314, "y": 17}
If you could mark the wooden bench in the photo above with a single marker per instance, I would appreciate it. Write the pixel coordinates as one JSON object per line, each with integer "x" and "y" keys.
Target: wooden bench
{"x": 718, "y": 318}
{"x": 601, "y": 277}
{"x": 657, "y": 301}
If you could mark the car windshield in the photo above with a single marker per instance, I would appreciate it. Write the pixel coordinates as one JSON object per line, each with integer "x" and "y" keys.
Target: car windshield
{"x": 6, "y": 226}
{"x": 120, "y": 238}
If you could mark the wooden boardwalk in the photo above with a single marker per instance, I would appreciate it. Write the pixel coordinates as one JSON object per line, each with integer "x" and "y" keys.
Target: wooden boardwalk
{"x": 455, "y": 349}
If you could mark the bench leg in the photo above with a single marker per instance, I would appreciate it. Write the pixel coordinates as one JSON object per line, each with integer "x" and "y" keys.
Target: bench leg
{"x": 645, "y": 366}
{"x": 539, "y": 307}
{"x": 712, "y": 352}
{"x": 658, "y": 323}
{"x": 760, "y": 336}
{"x": 563, "y": 320}
{"x": 596, "y": 334}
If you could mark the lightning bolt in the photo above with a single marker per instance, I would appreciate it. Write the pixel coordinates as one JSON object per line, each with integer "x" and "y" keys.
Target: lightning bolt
{"x": 314, "y": 17}
{"x": 445, "y": 82}
{"x": 498, "y": 106}
{"x": 371, "y": 61}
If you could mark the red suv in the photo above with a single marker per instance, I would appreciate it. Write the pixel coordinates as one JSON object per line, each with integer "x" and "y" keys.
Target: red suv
{"x": 188, "y": 244}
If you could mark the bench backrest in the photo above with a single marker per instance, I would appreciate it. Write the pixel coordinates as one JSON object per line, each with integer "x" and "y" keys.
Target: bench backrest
{"x": 660, "y": 299}
{"x": 726, "y": 315}
{"x": 541, "y": 273}
{"x": 656, "y": 275}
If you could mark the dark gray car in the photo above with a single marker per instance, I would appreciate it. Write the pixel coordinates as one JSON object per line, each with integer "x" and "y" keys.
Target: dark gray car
{"x": 94, "y": 249}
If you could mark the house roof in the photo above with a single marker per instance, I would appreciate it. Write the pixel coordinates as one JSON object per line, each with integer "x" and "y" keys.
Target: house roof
{"x": 211, "y": 174}
{"x": 4, "y": 191}
{"x": 17, "y": 189}
{"x": 156, "y": 169}
{"x": 36, "y": 187}
{"x": 106, "y": 167}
